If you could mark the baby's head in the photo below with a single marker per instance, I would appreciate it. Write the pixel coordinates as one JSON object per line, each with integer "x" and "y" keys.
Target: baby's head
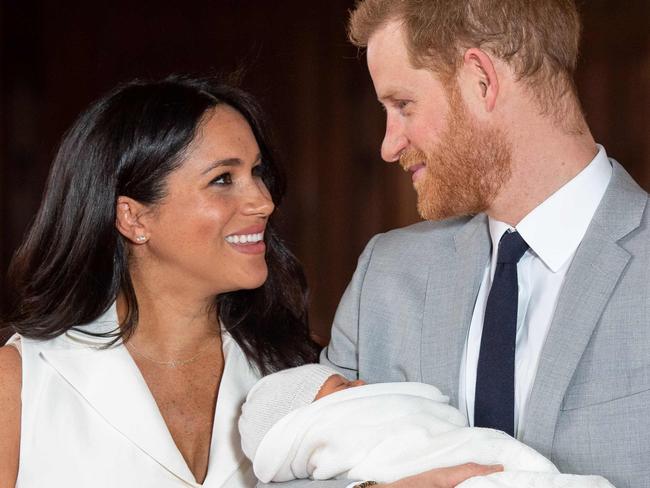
{"x": 335, "y": 383}
{"x": 278, "y": 394}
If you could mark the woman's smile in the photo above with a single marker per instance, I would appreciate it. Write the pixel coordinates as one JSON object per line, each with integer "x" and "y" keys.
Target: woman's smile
{"x": 248, "y": 241}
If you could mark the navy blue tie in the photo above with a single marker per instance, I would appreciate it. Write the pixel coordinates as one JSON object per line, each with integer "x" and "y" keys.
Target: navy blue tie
{"x": 494, "y": 403}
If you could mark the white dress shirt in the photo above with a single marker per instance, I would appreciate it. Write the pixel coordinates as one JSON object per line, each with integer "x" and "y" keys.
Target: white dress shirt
{"x": 553, "y": 230}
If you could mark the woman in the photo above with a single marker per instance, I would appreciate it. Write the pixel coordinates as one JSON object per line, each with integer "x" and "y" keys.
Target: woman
{"x": 150, "y": 294}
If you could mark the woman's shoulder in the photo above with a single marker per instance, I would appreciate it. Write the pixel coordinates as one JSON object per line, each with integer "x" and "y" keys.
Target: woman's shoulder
{"x": 10, "y": 363}
{"x": 10, "y": 377}
{"x": 10, "y": 406}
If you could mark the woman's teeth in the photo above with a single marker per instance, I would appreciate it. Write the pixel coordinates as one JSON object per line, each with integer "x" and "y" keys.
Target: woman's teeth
{"x": 245, "y": 239}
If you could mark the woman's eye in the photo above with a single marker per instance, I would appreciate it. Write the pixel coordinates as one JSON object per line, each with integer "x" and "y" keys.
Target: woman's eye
{"x": 224, "y": 179}
{"x": 258, "y": 171}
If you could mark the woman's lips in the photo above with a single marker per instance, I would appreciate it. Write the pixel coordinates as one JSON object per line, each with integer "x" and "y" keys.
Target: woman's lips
{"x": 250, "y": 248}
{"x": 248, "y": 241}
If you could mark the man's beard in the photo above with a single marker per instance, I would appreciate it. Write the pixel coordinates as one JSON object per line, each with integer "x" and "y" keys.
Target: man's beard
{"x": 465, "y": 170}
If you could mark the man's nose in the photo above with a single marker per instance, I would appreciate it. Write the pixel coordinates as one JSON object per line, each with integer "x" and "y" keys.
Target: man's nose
{"x": 394, "y": 142}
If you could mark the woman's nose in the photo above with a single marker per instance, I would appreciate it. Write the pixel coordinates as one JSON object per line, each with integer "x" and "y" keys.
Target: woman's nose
{"x": 259, "y": 201}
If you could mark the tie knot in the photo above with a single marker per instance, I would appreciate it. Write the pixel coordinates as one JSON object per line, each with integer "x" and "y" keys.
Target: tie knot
{"x": 511, "y": 248}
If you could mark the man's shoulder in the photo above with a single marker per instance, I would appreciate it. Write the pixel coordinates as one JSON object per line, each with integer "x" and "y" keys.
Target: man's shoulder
{"x": 624, "y": 207}
{"x": 428, "y": 232}
{"x": 417, "y": 241}
{"x": 430, "y": 228}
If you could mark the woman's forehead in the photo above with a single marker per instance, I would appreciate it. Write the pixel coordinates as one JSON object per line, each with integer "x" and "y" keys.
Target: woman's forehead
{"x": 224, "y": 134}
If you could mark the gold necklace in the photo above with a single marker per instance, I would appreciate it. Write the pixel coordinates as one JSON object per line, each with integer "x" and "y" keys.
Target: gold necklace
{"x": 174, "y": 363}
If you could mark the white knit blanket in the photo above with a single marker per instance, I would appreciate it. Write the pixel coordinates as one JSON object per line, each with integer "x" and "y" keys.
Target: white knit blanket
{"x": 388, "y": 431}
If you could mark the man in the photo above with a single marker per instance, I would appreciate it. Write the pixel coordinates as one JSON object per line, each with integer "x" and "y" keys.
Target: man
{"x": 525, "y": 297}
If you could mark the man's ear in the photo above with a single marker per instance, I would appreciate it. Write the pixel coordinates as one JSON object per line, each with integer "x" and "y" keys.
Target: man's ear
{"x": 480, "y": 77}
{"x": 128, "y": 220}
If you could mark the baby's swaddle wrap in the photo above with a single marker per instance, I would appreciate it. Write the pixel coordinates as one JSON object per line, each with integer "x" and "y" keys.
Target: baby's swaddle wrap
{"x": 388, "y": 431}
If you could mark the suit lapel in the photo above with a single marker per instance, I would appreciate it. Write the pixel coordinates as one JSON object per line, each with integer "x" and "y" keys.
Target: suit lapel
{"x": 109, "y": 380}
{"x": 451, "y": 294}
{"x": 588, "y": 285}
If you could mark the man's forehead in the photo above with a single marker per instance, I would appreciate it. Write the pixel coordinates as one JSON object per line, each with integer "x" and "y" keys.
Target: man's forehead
{"x": 395, "y": 80}
{"x": 389, "y": 62}
{"x": 386, "y": 43}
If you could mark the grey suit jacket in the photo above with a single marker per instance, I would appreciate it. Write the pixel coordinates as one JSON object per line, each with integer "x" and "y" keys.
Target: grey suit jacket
{"x": 406, "y": 313}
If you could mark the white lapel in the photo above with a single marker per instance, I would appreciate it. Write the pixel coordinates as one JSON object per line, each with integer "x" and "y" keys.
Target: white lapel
{"x": 226, "y": 455}
{"x": 111, "y": 383}
{"x": 109, "y": 380}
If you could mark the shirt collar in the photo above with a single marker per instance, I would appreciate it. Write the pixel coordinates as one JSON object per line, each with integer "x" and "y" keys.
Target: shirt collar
{"x": 555, "y": 228}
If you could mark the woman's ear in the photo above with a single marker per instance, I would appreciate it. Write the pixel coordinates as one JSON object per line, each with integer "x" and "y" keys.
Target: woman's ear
{"x": 128, "y": 221}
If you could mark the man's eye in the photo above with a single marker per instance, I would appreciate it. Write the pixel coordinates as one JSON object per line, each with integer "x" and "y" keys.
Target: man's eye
{"x": 402, "y": 104}
{"x": 223, "y": 179}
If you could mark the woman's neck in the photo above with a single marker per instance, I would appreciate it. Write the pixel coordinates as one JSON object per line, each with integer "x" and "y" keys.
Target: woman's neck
{"x": 170, "y": 325}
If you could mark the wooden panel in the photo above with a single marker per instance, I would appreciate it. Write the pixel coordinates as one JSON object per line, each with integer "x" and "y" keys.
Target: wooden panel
{"x": 57, "y": 57}
{"x": 614, "y": 80}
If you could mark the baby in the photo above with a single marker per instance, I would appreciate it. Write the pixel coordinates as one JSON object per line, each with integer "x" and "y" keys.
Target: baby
{"x": 311, "y": 422}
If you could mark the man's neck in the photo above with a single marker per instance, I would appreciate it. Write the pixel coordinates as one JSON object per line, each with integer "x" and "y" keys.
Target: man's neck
{"x": 544, "y": 159}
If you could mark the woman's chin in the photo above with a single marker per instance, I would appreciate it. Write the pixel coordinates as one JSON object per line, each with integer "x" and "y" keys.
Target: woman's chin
{"x": 249, "y": 282}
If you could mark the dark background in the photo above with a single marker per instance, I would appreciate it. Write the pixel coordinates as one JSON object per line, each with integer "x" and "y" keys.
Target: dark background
{"x": 56, "y": 57}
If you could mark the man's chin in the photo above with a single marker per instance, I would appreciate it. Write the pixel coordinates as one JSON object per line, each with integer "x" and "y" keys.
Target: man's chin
{"x": 430, "y": 211}
{"x": 437, "y": 208}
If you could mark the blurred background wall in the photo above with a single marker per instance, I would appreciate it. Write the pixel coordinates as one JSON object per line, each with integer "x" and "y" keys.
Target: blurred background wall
{"x": 56, "y": 57}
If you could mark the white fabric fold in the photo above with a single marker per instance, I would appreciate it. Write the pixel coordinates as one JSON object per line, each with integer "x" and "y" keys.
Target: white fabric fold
{"x": 388, "y": 431}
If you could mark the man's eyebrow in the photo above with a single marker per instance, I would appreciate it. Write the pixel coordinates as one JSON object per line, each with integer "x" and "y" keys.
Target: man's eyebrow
{"x": 389, "y": 94}
{"x": 394, "y": 95}
{"x": 227, "y": 162}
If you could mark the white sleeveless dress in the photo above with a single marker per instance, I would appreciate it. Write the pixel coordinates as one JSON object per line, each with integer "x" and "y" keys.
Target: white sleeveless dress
{"x": 90, "y": 421}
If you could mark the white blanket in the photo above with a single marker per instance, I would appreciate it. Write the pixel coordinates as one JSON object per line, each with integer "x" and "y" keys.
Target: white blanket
{"x": 388, "y": 431}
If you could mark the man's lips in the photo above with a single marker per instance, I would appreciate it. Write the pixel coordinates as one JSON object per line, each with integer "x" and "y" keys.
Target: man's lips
{"x": 417, "y": 171}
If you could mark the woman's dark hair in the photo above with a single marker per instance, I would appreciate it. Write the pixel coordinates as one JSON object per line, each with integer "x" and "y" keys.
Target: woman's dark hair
{"x": 74, "y": 262}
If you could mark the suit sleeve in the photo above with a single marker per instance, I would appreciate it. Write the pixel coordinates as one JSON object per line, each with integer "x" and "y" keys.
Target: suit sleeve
{"x": 342, "y": 351}
{"x": 308, "y": 484}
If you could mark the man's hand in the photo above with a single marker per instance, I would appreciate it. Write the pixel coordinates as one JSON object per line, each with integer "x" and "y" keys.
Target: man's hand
{"x": 445, "y": 477}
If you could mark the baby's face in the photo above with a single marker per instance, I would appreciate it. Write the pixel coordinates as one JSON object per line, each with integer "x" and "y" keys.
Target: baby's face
{"x": 335, "y": 383}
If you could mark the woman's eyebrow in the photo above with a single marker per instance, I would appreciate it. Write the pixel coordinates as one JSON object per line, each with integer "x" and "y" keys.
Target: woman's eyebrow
{"x": 222, "y": 162}
{"x": 228, "y": 162}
